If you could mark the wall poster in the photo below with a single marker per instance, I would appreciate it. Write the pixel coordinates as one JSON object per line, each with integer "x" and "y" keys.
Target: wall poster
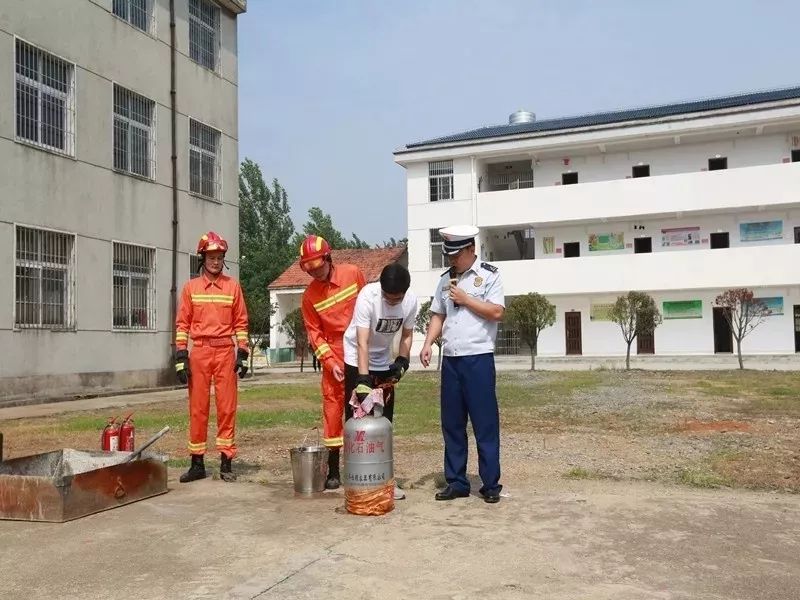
{"x": 600, "y": 242}
{"x": 766, "y": 230}
{"x": 549, "y": 245}
{"x": 600, "y": 312}
{"x": 680, "y": 236}
{"x": 774, "y": 304}
{"x": 683, "y": 309}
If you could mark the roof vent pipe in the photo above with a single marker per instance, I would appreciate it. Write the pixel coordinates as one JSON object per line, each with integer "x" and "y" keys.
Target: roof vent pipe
{"x": 521, "y": 116}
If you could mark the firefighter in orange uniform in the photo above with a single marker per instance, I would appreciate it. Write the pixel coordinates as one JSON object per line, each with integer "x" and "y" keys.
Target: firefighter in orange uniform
{"x": 327, "y": 308}
{"x": 212, "y": 312}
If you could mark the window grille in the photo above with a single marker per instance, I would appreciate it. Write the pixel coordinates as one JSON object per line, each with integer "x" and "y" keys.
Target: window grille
{"x": 134, "y": 133}
{"x": 134, "y": 287}
{"x": 138, "y": 13}
{"x": 194, "y": 266}
{"x": 438, "y": 260}
{"x": 45, "y": 101}
{"x": 204, "y": 33}
{"x": 45, "y": 279}
{"x": 440, "y": 178}
{"x": 204, "y": 163}
{"x": 507, "y": 342}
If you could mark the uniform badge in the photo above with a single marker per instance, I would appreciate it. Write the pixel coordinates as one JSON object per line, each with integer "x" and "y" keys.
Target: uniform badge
{"x": 478, "y": 281}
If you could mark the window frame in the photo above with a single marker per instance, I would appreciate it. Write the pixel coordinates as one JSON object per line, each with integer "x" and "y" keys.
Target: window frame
{"x": 70, "y": 267}
{"x": 436, "y": 246}
{"x": 438, "y": 176}
{"x": 217, "y": 164}
{"x": 151, "y": 290}
{"x": 150, "y": 15}
{"x": 68, "y": 97}
{"x": 214, "y": 29}
{"x": 130, "y": 123}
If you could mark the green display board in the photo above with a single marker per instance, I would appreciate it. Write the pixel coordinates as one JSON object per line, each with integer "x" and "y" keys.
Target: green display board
{"x": 683, "y": 309}
{"x": 600, "y": 242}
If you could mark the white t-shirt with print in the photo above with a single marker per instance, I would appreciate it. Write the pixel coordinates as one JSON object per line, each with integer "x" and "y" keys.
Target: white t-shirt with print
{"x": 383, "y": 321}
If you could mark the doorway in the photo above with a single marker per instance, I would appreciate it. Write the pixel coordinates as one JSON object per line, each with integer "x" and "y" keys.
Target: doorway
{"x": 572, "y": 250}
{"x": 720, "y": 240}
{"x": 723, "y": 337}
{"x": 797, "y": 327}
{"x": 573, "y": 328}
{"x": 642, "y": 245}
{"x": 797, "y": 235}
{"x": 646, "y": 343}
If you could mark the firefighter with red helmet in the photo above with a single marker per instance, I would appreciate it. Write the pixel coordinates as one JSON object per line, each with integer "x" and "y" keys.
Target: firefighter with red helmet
{"x": 212, "y": 313}
{"x": 327, "y": 308}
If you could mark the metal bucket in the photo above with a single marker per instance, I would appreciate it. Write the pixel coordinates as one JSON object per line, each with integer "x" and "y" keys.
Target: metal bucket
{"x": 309, "y": 468}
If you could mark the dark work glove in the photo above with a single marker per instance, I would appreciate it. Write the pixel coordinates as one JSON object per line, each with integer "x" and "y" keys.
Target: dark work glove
{"x": 398, "y": 368}
{"x": 182, "y": 366}
{"x": 241, "y": 362}
{"x": 363, "y": 387}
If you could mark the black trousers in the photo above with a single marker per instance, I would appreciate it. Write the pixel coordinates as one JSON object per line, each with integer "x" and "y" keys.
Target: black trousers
{"x": 350, "y": 376}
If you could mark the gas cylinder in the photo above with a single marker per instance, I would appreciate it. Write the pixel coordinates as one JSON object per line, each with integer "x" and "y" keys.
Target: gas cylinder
{"x": 109, "y": 440}
{"x": 368, "y": 464}
{"x": 127, "y": 433}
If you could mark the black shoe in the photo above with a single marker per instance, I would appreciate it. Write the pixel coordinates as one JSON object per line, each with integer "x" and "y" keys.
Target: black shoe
{"x": 333, "y": 481}
{"x": 451, "y": 493}
{"x": 225, "y": 468}
{"x": 196, "y": 471}
{"x": 492, "y": 497}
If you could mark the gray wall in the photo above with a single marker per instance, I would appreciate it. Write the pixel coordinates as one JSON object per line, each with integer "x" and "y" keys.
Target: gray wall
{"x": 85, "y": 196}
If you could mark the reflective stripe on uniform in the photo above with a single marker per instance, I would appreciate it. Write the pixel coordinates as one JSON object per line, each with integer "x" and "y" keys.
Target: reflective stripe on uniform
{"x": 333, "y": 442}
{"x": 182, "y": 335}
{"x": 198, "y": 447}
{"x": 242, "y": 335}
{"x": 225, "y": 442}
{"x": 179, "y": 366}
{"x": 322, "y": 350}
{"x": 220, "y": 298}
{"x": 346, "y": 293}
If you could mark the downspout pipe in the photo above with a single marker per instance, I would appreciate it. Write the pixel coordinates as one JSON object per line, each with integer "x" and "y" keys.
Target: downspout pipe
{"x": 173, "y": 290}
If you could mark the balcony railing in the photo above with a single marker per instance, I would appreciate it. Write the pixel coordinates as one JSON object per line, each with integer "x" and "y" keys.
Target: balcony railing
{"x": 510, "y": 181}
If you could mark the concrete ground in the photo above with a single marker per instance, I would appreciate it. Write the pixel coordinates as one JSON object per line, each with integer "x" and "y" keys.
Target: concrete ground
{"x": 581, "y": 539}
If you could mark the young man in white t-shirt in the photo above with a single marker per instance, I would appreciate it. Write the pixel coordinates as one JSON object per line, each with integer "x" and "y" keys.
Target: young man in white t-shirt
{"x": 382, "y": 309}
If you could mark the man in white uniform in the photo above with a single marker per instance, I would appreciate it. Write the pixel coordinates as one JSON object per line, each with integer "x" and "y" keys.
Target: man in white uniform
{"x": 382, "y": 309}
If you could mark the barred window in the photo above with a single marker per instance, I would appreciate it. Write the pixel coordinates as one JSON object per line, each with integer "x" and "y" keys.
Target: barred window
{"x": 45, "y": 107}
{"x": 138, "y": 13}
{"x": 134, "y": 133}
{"x": 440, "y": 178}
{"x": 134, "y": 287}
{"x": 204, "y": 33}
{"x": 438, "y": 260}
{"x": 194, "y": 266}
{"x": 204, "y": 163}
{"x": 45, "y": 279}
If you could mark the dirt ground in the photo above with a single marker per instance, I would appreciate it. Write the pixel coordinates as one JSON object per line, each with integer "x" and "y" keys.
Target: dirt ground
{"x": 617, "y": 485}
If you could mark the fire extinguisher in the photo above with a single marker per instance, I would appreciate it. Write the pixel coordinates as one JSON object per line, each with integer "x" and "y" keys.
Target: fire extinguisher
{"x": 109, "y": 440}
{"x": 127, "y": 433}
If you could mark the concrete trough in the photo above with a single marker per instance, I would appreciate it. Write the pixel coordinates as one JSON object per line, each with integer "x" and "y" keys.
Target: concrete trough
{"x": 68, "y": 484}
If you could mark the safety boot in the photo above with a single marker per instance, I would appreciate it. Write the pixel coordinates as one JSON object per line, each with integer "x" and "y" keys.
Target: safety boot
{"x": 225, "y": 469}
{"x": 333, "y": 481}
{"x": 196, "y": 471}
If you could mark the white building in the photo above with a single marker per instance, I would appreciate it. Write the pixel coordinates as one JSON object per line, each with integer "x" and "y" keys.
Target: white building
{"x": 118, "y": 146}
{"x": 585, "y": 209}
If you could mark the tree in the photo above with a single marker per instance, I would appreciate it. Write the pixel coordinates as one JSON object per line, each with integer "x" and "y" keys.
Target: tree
{"x": 265, "y": 229}
{"x": 743, "y": 313}
{"x": 529, "y": 315}
{"x": 295, "y": 329}
{"x": 393, "y": 243}
{"x": 636, "y": 313}
{"x": 421, "y": 324}
{"x": 320, "y": 223}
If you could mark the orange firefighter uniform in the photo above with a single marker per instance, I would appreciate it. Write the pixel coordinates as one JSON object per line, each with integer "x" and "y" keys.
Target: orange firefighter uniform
{"x": 212, "y": 313}
{"x": 327, "y": 309}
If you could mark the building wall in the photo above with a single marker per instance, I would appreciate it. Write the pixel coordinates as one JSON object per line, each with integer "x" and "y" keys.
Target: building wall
{"x": 83, "y": 194}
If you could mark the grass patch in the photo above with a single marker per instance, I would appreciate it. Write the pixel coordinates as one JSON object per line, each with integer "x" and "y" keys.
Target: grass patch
{"x": 579, "y": 473}
{"x": 702, "y": 478}
{"x": 179, "y": 463}
{"x": 262, "y": 419}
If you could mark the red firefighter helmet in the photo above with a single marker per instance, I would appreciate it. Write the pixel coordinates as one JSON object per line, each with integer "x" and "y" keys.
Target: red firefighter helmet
{"x": 314, "y": 251}
{"x": 210, "y": 242}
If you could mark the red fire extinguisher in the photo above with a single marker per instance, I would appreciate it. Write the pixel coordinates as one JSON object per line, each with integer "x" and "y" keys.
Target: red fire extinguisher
{"x": 109, "y": 440}
{"x": 127, "y": 434}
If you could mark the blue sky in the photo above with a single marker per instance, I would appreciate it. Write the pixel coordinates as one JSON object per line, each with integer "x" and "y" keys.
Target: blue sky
{"x": 328, "y": 89}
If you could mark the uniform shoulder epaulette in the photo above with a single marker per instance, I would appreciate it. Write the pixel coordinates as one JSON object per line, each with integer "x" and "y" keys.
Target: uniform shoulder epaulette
{"x": 447, "y": 272}
{"x": 488, "y": 267}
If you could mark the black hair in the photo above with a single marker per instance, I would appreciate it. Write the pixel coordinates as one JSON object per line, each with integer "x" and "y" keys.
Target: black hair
{"x": 395, "y": 279}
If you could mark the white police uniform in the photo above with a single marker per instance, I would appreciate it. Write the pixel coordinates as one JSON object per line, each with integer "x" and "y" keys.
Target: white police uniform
{"x": 468, "y": 370}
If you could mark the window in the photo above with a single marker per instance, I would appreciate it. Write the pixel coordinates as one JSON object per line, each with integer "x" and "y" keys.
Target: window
{"x": 45, "y": 106}
{"x": 438, "y": 260}
{"x": 440, "y": 178}
{"x": 204, "y": 33}
{"x": 642, "y": 245}
{"x": 194, "y": 266}
{"x": 138, "y": 13}
{"x": 795, "y": 155}
{"x": 717, "y": 164}
{"x": 569, "y": 178}
{"x": 720, "y": 240}
{"x": 641, "y": 171}
{"x": 203, "y": 160}
{"x": 134, "y": 133}
{"x": 572, "y": 249}
{"x": 134, "y": 287}
{"x": 45, "y": 279}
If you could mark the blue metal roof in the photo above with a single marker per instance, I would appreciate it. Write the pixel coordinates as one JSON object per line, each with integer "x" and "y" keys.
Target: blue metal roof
{"x": 619, "y": 116}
